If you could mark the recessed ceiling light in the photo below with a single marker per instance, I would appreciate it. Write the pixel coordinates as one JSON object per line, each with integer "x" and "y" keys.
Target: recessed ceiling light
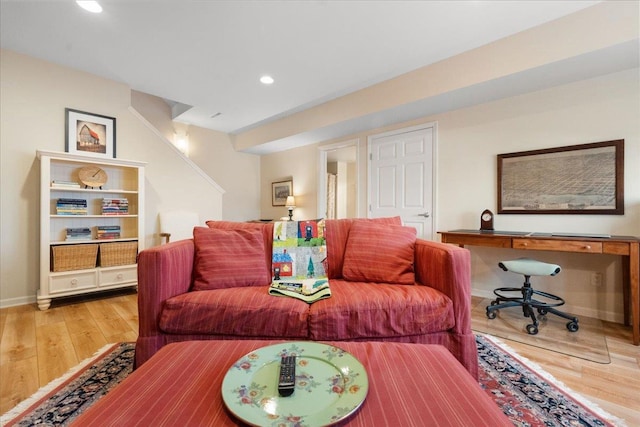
{"x": 91, "y": 6}
{"x": 267, "y": 80}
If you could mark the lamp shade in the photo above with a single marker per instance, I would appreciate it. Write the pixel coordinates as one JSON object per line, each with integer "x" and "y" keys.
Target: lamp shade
{"x": 291, "y": 202}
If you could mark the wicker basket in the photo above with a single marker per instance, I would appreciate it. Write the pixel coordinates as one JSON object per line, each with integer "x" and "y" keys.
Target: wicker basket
{"x": 73, "y": 257}
{"x": 118, "y": 253}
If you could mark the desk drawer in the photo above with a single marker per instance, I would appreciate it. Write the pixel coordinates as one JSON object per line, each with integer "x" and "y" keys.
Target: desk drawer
{"x": 558, "y": 245}
{"x": 493, "y": 241}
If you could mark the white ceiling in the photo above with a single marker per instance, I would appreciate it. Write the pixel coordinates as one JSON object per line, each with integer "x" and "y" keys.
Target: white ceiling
{"x": 210, "y": 54}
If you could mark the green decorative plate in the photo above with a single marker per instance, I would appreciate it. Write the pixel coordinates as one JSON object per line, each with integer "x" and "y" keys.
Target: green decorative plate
{"x": 331, "y": 384}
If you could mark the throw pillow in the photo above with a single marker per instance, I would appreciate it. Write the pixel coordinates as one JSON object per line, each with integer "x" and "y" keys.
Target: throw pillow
{"x": 265, "y": 228}
{"x": 229, "y": 259}
{"x": 337, "y": 233}
{"x": 380, "y": 253}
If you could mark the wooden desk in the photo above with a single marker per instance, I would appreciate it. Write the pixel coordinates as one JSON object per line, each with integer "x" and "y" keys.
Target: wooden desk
{"x": 625, "y": 246}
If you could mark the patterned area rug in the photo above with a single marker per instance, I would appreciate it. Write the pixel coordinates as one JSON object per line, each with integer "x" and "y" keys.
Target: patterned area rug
{"x": 524, "y": 395}
{"x": 62, "y": 400}
{"x": 528, "y": 395}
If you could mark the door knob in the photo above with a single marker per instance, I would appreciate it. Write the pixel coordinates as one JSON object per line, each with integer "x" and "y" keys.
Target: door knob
{"x": 426, "y": 214}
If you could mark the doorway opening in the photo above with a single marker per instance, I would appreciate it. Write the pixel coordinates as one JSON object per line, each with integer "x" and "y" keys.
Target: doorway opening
{"x": 338, "y": 180}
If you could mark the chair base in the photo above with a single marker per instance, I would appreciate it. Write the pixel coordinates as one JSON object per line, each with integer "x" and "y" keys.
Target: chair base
{"x": 528, "y": 305}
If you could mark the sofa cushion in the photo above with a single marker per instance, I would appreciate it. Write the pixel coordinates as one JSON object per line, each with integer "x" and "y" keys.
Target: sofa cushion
{"x": 337, "y": 233}
{"x": 380, "y": 253}
{"x": 369, "y": 310}
{"x": 228, "y": 259}
{"x": 265, "y": 228}
{"x": 246, "y": 312}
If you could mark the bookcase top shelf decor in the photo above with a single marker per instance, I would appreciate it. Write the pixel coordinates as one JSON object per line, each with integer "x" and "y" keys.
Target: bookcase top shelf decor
{"x": 93, "y": 216}
{"x": 91, "y": 224}
{"x": 92, "y": 190}
{"x": 89, "y": 160}
{"x": 93, "y": 176}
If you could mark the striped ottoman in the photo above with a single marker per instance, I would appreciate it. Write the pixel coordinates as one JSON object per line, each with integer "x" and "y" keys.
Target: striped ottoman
{"x": 409, "y": 385}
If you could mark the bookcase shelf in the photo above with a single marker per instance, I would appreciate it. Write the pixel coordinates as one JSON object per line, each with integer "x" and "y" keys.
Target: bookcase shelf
{"x": 92, "y": 216}
{"x": 91, "y": 190}
{"x": 125, "y": 181}
{"x": 75, "y": 242}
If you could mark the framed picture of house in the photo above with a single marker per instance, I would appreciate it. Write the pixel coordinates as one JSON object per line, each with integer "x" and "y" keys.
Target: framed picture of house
{"x": 279, "y": 192}
{"x": 577, "y": 179}
{"x": 89, "y": 134}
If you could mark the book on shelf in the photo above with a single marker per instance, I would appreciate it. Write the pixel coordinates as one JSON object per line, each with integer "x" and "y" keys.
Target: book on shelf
{"x": 67, "y": 201}
{"x": 77, "y": 230}
{"x": 115, "y": 200}
{"x": 115, "y": 206}
{"x": 307, "y": 290}
{"x": 105, "y": 232}
{"x": 65, "y": 211}
{"x": 64, "y": 184}
{"x": 71, "y": 206}
{"x": 78, "y": 233}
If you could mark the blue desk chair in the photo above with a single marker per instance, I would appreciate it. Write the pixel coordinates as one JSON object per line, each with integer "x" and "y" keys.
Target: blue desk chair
{"x": 528, "y": 268}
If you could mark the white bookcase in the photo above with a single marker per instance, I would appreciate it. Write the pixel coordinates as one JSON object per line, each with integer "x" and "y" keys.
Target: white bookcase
{"x": 125, "y": 179}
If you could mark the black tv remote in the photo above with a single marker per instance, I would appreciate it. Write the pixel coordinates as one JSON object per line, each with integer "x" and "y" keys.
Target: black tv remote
{"x": 287, "y": 378}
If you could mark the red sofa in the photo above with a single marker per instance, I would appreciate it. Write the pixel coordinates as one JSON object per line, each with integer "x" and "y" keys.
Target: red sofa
{"x": 433, "y": 309}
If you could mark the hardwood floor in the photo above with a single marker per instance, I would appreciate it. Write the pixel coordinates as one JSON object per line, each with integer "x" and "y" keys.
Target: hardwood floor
{"x": 614, "y": 387}
{"x": 39, "y": 346}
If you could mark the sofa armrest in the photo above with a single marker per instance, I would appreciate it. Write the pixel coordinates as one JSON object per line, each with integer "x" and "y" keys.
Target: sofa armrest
{"x": 163, "y": 272}
{"x": 447, "y": 268}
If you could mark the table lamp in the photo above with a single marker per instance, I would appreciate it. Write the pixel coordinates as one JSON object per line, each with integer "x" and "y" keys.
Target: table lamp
{"x": 290, "y": 204}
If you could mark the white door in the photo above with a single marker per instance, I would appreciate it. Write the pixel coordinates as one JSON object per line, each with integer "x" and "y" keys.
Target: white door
{"x": 401, "y": 177}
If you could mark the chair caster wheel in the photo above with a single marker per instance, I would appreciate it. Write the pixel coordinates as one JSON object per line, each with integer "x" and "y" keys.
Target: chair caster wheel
{"x": 532, "y": 329}
{"x": 491, "y": 314}
{"x": 572, "y": 326}
{"x": 542, "y": 311}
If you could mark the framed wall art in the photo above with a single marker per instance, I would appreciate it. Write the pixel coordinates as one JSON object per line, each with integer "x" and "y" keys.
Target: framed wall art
{"x": 89, "y": 134}
{"x": 279, "y": 192}
{"x": 577, "y": 179}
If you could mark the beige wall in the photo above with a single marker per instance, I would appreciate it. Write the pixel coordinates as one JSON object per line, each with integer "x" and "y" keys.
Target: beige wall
{"x": 468, "y": 141}
{"x": 238, "y": 173}
{"x": 301, "y": 164}
{"x": 34, "y": 95}
{"x": 157, "y": 112}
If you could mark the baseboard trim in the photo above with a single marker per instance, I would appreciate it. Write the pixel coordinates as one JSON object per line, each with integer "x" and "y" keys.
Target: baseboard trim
{"x": 13, "y": 302}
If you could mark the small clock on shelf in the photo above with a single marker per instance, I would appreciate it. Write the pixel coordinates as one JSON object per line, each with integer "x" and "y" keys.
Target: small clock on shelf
{"x": 92, "y": 176}
{"x": 486, "y": 220}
